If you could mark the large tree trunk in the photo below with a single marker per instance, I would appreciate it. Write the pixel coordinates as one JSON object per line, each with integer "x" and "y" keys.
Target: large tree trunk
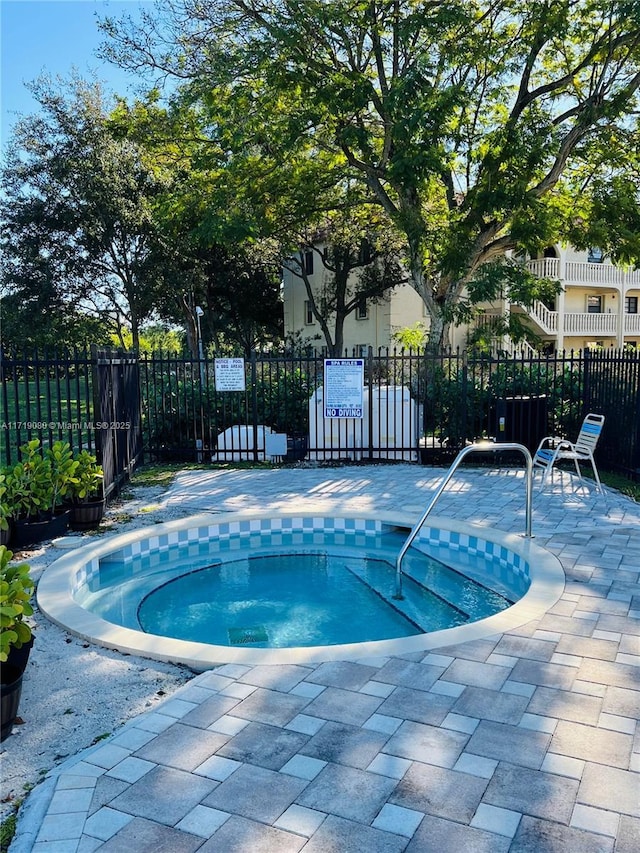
{"x": 338, "y": 337}
{"x": 438, "y": 340}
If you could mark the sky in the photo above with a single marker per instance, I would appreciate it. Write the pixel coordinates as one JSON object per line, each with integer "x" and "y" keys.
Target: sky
{"x": 55, "y": 37}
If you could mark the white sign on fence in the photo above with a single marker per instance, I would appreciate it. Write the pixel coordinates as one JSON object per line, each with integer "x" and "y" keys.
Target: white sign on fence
{"x": 343, "y": 387}
{"x": 230, "y": 375}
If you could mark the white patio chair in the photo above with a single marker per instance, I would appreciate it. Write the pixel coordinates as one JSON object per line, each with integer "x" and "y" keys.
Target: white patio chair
{"x": 552, "y": 449}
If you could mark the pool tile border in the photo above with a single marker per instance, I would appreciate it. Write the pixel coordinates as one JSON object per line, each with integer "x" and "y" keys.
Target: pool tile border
{"x": 513, "y": 553}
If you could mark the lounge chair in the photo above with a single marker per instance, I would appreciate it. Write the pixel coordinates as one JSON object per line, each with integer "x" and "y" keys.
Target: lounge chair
{"x": 553, "y": 449}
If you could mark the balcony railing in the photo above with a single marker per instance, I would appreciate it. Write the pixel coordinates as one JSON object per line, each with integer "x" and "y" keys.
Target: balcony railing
{"x": 590, "y": 324}
{"x": 605, "y": 275}
{"x": 632, "y": 324}
{"x": 545, "y": 317}
{"x": 604, "y": 325}
{"x": 544, "y": 267}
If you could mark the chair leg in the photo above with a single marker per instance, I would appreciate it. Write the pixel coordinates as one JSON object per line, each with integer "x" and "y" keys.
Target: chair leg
{"x": 595, "y": 474}
{"x": 575, "y": 462}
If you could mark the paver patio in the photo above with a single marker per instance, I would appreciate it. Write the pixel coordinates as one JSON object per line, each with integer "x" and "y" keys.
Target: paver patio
{"x": 526, "y": 741}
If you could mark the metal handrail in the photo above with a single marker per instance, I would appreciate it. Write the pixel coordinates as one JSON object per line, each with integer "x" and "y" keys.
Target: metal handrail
{"x": 478, "y": 447}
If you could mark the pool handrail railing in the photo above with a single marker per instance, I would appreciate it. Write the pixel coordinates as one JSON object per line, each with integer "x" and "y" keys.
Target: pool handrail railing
{"x": 477, "y": 447}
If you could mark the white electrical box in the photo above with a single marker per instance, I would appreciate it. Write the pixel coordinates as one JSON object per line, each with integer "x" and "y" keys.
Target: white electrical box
{"x": 395, "y": 424}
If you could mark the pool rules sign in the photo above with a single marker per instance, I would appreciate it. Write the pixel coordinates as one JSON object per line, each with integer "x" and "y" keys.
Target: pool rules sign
{"x": 343, "y": 387}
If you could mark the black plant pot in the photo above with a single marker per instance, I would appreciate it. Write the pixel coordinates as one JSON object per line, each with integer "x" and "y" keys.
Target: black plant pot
{"x": 30, "y": 532}
{"x": 11, "y": 683}
{"x": 87, "y": 515}
{"x": 10, "y": 699}
{"x": 18, "y": 658}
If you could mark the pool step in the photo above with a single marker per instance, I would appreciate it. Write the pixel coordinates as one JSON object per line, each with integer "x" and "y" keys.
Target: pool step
{"x": 458, "y": 588}
{"x": 429, "y": 585}
{"x": 418, "y": 603}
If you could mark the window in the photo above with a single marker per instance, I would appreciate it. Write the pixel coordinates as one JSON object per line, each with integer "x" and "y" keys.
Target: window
{"x": 595, "y": 256}
{"x": 362, "y": 350}
{"x": 594, "y": 304}
{"x": 307, "y": 262}
{"x": 361, "y": 311}
{"x": 308, "y": 313}
{"x": 631, "y": 305}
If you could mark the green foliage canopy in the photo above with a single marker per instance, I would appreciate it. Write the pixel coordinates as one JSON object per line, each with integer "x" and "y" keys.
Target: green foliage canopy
{"x": 460, "y": 119}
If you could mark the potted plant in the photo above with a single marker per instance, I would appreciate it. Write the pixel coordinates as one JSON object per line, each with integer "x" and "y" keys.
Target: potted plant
{"x": 35, "y": 487}
{"x": 86, "y": 492}
{"x": 63, "y": 467}
{"x": 5, "y": 512}
{"x": 16, "y": 639}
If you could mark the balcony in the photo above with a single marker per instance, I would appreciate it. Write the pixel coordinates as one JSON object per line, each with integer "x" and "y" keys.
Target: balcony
{"x": 592, "y": 325}
{"x": 602, "y": 275}
{"x": 603, "y": 325}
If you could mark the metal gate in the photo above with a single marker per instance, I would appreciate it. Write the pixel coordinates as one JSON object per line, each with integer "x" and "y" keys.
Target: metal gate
{"x": 116, "y": 407}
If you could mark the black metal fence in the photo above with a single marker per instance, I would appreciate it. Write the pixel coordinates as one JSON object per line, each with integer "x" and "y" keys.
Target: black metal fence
{"x": 414, "y": 407}
{"x": 88, "y": 398}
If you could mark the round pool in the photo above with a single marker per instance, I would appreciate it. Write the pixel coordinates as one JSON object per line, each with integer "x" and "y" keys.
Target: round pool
{"x": 252, "y": 588}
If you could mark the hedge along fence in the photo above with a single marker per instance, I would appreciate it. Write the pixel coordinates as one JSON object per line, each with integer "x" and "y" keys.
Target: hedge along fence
{"x": 458, "y": 397}
{"x": 183, "y": 411}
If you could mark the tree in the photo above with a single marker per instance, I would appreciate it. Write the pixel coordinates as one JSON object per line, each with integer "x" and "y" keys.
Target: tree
{"x": 203, "y": 252}
{"x": 360, "y": 263}
{"x": 606, "y": 213}
{"x": 461, "y": 119}
{"x": 35, "y": 311}
{"x": 238, "y": 293}
{"x": 76, "y": 209}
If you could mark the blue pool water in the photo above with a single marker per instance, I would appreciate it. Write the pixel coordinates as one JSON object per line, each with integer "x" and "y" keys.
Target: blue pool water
{"x": 305, "y": 589}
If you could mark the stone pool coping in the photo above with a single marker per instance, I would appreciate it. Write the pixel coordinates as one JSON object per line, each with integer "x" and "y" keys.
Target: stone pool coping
{"x": 56, "y": 601}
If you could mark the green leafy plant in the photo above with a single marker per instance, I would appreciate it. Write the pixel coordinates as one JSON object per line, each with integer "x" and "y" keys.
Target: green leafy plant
{"x": 5, "y": 509}
{"x": 62, "y": 466}
{"x": 39, "y": 483}
{"x": 87, "y": 477}
{"x": 29, "y": 484}
{"x": 16, "y": 586}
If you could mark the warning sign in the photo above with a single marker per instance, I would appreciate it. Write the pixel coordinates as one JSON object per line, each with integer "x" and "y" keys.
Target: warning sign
{"x": 230, "y": 375}
{"x": 343, "y": 387}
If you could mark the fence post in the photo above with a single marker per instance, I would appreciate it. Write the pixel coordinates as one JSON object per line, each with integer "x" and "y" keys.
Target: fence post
{"x": 465, "y": 394}
{"x": 254, "y": 402}
{"x": 586, "y": 382}
{"x": 5, "y": 406}
{"x": 636, "y": 451}
{"x": 370, "y": 403}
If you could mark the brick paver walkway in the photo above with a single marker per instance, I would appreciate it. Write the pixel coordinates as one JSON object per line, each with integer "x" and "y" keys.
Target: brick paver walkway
{"x": 526, "y": 741}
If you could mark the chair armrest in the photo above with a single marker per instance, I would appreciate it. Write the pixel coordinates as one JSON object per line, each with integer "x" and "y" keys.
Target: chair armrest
{"x": 551, "y": 440}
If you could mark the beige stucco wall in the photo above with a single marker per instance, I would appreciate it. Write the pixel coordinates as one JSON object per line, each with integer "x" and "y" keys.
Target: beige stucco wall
{"x": 404, "y": 308}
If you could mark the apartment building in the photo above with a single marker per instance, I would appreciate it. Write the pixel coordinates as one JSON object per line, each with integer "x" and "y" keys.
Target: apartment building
{"x": 371, "y": 324}
{"x": 598, "y": 306}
